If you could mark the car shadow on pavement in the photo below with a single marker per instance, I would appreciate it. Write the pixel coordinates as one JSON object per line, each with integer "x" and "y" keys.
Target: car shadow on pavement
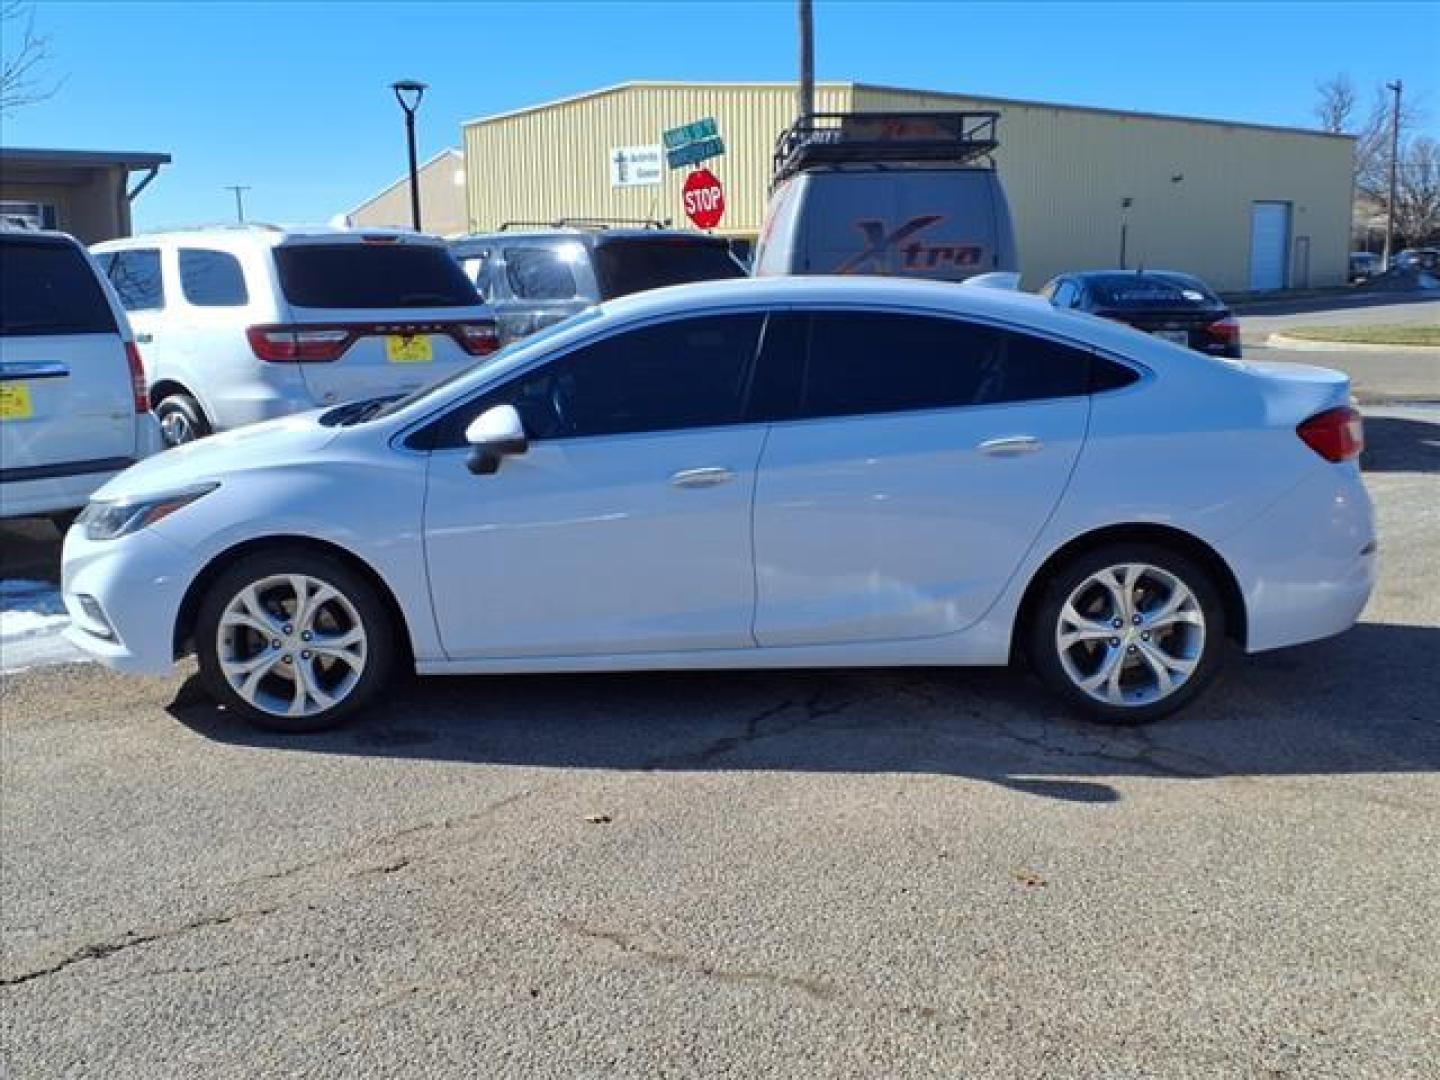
{"x": 1397, "y": 444}
{"x": 1362, "y": 703}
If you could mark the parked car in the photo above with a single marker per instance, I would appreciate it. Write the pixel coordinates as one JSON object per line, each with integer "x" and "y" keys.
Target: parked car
{"x": 1426, "y": 259}
{"x": 244, "y": 324}
{"x": 1364, "y": 265}
{"x": 753, "y": 474}
{"x": 904, "y": 194}
{"x": 534, "y": 277}
{"x": 1174, "y": 307}
{"x": 73, "y": 410}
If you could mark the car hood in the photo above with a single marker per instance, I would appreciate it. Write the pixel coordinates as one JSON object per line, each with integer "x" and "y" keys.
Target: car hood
{"x": 259, "y": 446}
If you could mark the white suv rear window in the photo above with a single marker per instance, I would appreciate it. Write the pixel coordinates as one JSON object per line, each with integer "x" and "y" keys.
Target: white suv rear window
{"x": 372, "y": 276}
{"x": 49, "y": 287}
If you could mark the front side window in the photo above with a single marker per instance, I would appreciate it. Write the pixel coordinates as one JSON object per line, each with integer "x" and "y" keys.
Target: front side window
{"x": 212, "y": 278}
{"x": 861, "y": 363}
{"x": 690, "y": 373}
{"x": 542, "y": 273}
{"x": 136, "y": 276}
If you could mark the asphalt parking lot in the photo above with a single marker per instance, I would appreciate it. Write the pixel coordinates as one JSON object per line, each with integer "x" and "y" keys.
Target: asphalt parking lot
{"x": 890, "y": 873}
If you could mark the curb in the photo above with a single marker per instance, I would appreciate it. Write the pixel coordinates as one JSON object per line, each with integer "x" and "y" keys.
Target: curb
{"x": 1281, "y": 341}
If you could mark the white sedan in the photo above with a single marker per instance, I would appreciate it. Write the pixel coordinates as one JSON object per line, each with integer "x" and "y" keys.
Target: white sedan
{"x": 773, "y": 473}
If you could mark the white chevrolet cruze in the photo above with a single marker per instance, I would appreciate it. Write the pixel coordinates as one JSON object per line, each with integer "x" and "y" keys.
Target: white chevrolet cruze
{"x": 770, "y": 473}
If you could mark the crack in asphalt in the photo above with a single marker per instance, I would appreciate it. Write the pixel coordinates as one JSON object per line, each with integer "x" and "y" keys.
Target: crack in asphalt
{"x": 130, "y": 940}
{"x": 812, "y": 709}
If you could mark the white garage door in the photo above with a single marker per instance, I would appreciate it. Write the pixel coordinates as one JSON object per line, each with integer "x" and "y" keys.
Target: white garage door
{"x": 1269, "y": 241}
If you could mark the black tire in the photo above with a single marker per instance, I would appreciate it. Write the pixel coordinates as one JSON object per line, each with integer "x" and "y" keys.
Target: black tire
{"x": 373, "y": 615}
{"x": 1045, "y": 654}
{"x": 181, "y": 419}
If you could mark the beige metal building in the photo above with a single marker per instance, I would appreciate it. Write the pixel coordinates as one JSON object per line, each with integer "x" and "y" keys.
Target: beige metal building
{"x": 442, "y": 199}
{"x": 1242, "y": 205}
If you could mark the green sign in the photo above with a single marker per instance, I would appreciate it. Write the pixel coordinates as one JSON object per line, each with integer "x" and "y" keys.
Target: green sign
{"x": 690, "y": 133}
{"x": 694, "y": 153}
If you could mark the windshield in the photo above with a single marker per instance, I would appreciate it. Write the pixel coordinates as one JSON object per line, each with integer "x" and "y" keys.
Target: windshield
{"x": 372, "y": 276}
{"x": 495, "y": 364}
{"x": 623, "y": 267}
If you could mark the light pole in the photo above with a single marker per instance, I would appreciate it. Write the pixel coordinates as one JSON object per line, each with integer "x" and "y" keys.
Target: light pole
{"x": 1125, "y": 205}
{"x": 408, "y": 93}
{"x": 806, "y": 18}
{"x": 1395, "y": 87}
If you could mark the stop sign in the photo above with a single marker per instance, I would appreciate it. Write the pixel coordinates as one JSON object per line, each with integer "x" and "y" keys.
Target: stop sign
{"x": 704, "y": 199}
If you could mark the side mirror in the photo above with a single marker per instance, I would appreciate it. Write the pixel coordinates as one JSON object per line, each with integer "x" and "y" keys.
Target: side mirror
{"x": 494, "y": 435}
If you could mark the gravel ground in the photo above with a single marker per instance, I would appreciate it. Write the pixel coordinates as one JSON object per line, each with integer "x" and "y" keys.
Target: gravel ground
{"x": 881, "y": 873}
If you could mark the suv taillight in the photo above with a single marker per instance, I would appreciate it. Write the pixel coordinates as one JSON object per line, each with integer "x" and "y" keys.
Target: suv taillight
{"x": 294, "y": 344}
{"x": 477, "y": 338}
{"x": 1226, "y": 330}
{"x": 137, "y": 378}
{"x": 1335, "y": 434}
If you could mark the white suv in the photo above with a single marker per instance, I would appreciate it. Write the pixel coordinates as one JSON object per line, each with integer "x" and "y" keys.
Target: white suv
{"x": 73, "y": 411}
{"x": 249, "y": 323}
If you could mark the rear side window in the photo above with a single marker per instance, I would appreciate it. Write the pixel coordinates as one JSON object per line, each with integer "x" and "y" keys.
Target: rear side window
{"x": 50, "y": 288}
{"x": 394, "y": 275}
{"x": 872, "y": 362}
{"x": 541, "y": 273}
{"x": 212, "y": 278}
{"x": 136, "y": 277}
{"x": 623, "y": 267}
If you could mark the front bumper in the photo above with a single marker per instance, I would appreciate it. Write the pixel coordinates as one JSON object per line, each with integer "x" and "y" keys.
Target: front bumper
{"x": 138, "y": 582}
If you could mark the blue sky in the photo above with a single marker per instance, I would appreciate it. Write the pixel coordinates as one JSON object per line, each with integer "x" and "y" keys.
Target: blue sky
{"x": 292, "y": 99}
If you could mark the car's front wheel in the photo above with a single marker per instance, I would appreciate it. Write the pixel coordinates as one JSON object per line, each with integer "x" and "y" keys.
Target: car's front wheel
{"x": 293, "y": 642}
{"x": 1128, "y": 633}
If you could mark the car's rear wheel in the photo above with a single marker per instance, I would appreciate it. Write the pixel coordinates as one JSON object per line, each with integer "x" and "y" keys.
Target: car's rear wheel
{"x": 293, "y": 642}
{"x": 1128, "y": 633}
{"x": 181, "y": 419}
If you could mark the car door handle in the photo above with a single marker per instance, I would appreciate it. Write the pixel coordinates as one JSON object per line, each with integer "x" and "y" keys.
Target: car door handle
{"x": 1010, "y": 446}
{"x": 701, "y": 478}
{"x": 144, "y": 339}
{"x": 32, "y": 370}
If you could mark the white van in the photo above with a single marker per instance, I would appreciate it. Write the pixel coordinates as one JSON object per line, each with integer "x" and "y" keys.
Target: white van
{"x": 73, "y": 410}
{"x": 245, "y": 324}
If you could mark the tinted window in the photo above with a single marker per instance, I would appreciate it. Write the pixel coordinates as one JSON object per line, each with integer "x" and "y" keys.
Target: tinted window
{"x": 397, "y": 275}
{"x": 50, "y": 288}
{"x": 136, "y": 277}
{"x": 634, "y": 265}
{"x": 690, "y": 373}
{"x": 542, "y": 273}
{"x": 1144, "y": 291}
{"x": 212, "y": 278}
{"x": 878, "y": 363}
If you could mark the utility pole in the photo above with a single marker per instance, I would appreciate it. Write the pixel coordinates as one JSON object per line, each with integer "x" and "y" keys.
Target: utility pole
{"x": 806, "y": 102}
{"x": 1395, "y": 87}
{"x": 239, "y": 202}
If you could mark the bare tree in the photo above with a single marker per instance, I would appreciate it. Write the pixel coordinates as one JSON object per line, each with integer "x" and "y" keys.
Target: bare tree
{"x": 1417, "y": 205}
{"x": 1336, "y": 104}
{"x": 22, "y": 80}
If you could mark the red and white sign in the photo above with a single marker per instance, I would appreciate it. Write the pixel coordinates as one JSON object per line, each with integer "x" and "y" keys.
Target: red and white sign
{"x": 704, "y": 199}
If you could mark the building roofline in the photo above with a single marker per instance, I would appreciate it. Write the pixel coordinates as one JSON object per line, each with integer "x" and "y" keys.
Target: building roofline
{"x": 1127, "y": 114}
{"x": 639, "y": 84}
{"x": 135, "y": 159}
{"x": 403, "y": 179}
{"x": 987, "y": 99}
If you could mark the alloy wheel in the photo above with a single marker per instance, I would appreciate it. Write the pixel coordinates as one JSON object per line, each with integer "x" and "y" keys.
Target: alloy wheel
{"x": 291, "y": 645}
{"x": 1130, "y": 635}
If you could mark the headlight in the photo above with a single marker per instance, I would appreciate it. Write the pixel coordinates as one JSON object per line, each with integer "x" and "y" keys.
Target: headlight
{"x": 110, "y": 520}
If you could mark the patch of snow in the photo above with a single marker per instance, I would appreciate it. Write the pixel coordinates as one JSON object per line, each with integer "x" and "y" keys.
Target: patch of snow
{"x": 32, "y": 626}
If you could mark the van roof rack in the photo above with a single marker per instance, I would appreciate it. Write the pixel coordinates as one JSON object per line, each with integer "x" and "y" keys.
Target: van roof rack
{"x": 883, "y": 138}
{"x": 586, "y": 223}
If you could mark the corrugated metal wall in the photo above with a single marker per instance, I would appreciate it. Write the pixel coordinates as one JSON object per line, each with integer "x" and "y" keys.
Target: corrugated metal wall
{"x": 1065, "y": 171}
{"x": 549, "y": 162}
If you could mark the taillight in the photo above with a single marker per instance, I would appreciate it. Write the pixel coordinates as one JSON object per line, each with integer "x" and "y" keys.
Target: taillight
{"x": 137, "y": 378}
{"x": 477, "y": 338}
{"x": 1226, "y": 330}
{"x": 1335, "y": 434}
{"x": 293, "y": 344}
